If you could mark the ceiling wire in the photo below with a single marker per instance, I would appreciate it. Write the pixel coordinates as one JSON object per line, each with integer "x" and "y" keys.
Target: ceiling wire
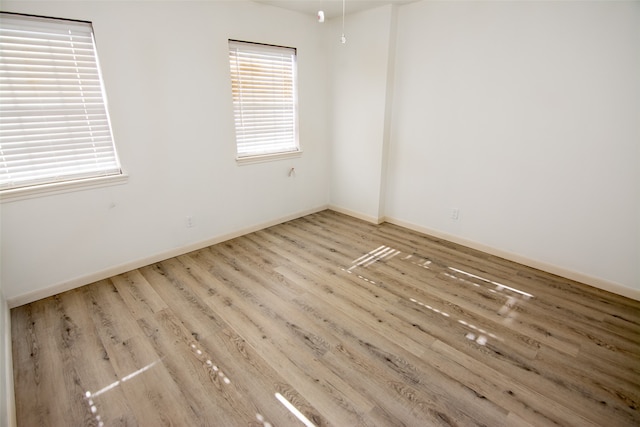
{"x": 343, "y": 39}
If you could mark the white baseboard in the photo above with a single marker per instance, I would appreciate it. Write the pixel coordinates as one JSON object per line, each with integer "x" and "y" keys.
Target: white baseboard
{"x": 595, "y": 282}
{"x": 123, "y": 268}
{"x": 8, "y": 418}
{"x": 132, "y": 265}
{"x": 364, "y": 217}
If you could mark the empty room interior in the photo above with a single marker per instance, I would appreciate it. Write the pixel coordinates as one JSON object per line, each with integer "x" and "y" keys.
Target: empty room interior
{"x": 449, "y": 236}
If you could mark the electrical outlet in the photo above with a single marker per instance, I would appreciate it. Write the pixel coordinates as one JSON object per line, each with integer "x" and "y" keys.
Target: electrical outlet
{"x": 455, "y": 214}
{"x": 189, "y": 221}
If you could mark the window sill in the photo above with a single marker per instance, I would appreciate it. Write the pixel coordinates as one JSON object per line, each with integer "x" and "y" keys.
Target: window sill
{"x": 15, "y": 194}
{"x": 267, "y": 157}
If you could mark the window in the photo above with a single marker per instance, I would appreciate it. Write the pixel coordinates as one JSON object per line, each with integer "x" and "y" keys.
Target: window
{"x": 264, "y": 89}
{"x": 54, "y": 125}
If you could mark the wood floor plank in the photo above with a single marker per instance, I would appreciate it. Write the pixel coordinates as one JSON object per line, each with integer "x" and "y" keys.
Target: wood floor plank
{"x": 330, "y": 350}
{"x": 562, "y": 342}
{"x": 349, "y": 336}
{"x": 367, "y": 355}
{"x": 139, "y": 368}
{"x": 539, "y": 421}
{"x": 545, "y": 385}
{"x": 38, "y": 364}
{"x": 253, "y": 379}
{"x": 329, "y": 320}
{"x": 312, "y": 378}
{"x": 528, "y": 278}
{"x": 621, "y": 350}
{"x": 91, "y": 363}
{"x": 138, "y": 294}
{"x": 554, "y": 412}
{"x": 186, "y": 361}
{"x": 362, "y": 281}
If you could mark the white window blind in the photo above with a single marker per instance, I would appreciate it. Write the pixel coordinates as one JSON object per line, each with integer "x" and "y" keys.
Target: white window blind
{"x": 264, "y": 89}
{"x": 54, "y": 124}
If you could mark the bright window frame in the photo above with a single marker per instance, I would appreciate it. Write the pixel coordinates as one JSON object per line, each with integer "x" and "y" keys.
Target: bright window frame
{"x": 55, "y": 131}
{"x": 264, "y": 86}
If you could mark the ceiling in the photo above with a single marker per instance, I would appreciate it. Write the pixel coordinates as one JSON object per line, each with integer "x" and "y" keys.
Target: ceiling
{"x": 331, "y": 8}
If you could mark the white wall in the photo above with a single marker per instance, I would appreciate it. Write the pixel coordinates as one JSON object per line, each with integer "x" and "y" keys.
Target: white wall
{"x": 521, "y": 114}
{"x": 359, "y": 72}
{"x": 525, "y": 116}
{"x": 166, "y": 73}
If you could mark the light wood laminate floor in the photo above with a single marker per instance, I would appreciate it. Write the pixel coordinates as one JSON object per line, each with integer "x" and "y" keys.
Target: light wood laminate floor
{"x": 328, "y": 320}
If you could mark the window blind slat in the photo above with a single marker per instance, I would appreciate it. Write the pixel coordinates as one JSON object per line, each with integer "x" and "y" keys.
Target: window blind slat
{"x": 54, "y": 124}
{"x": 51, "y": 128}
{"x": 80, "y": 161}
{"x": 57, "y": 43}
{"x": 40, "y": 125}
{"x": 44, "y": 142}
{"x": 9, "y": 116}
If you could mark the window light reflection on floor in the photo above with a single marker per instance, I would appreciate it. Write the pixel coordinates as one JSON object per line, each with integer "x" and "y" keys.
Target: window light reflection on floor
{"x": 262, "y": 420}
{"x": 499, "y": 286}
{"x": 479, "y": 335}
{"x": 378, "y": 254}
{"x": 508, "y": 309}
{"x": 480, "y": 339}
{"x": 425, "y": 263}
{"x": 299, "y": 415}
{"x": 89, "y": 396}
{"x": 212, "y": 366}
